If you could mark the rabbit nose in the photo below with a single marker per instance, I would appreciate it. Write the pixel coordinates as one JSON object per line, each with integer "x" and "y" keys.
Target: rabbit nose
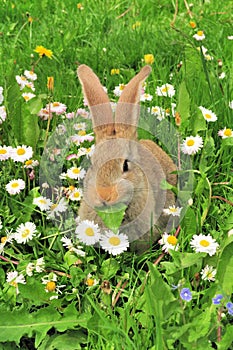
{"x": 107, "y": 193}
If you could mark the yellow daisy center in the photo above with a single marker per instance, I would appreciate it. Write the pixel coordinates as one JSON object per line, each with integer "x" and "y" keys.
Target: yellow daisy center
{"x": 51, "y": 286}
{"x": 26, "y": 97}
{"x": 15, "y": 184}
{"x": 14, "y": 284}
{"x": 200, "y": 32}
{"x": 76, "y": 171}
{"x": 228, "y": 132}
{"x": 122, "y": 86}
{"x": 71, "y": 187}
{"x": 28, "y": 162}
{"x": 155, "y": 109}
{"x": 173, "y": 210}
{"x": 3, "y": 239}
{"x": 172, "y": 240}
{"x": 204, "y": 243}
{"x": 208, "y": 116}
{"x": 90, "y": 282}
{"x": 25, "y": 233}
{"x": 3, "y": 151}
{"x": 190, "y": 143}
{"x": 114, "y": 241}
{"x": 56, "y": 104}
{"x": 21, "y": 151}
{"x": 53, "y": 206}
{"x": 165, "y": 89}
{"x": 43, "y": 201}
{"x": 76, "y": 195}
{"x": 89, "y": 231}
{"x": 82, "y": 133}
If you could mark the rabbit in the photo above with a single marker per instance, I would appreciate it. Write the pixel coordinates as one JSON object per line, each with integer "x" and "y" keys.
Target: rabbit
{"x": 124, "y": 169}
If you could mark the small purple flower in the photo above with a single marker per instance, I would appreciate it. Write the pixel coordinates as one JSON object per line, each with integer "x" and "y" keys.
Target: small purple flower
{"x": 217, "y": 299}
{"x": 186, "y": 294}
{"x": 229, "y": 307}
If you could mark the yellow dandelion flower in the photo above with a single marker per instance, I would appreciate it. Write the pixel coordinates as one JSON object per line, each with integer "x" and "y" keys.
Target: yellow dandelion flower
{"x": 42, "y": 51}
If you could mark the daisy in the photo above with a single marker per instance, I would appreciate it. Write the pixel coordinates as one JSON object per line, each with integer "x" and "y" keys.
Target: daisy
{"x": 208, "y": 273}
{"x": 168, "y": 242}
{"x": 157, "y": 111}
{"x": 43, "y": 203}
{"x": 30, "y": 85}
{"x": 90, "y": 281}
{"x": 119, "y": 89}
{"x": 76, "y": 194}
{"x": 81, "y": 137}
{"x": 83, "y": 113}
{"x": 29, "y": 269}
{"x": 192, "y": 144}
{"x": 42, "y": 51}
{"x": 28, "y": 96}
{"x": 146, "y": 97}
{"x": 22, "y": 81}
{"x": 208, "y": 114}
{"x": 199, "y": 35}
{"x": 172, "y": 210}
{"x": 204, "y": 244}
{"x": 21, "y": 153}
{"x": 5, "y": 239}
{"x": 44, "y": 114}
{"x": 70, "y": 115}
{"x": 88, "y": 152}
{"x": 15, "y": 186}
{"x": 1, "y": 95}
{"x": 31, "y": 164}
{"x": 149, "y": 58}
{"x": 225, "y": 133}
{"x": 30, "y": 75}
{"x": 5, "y": 152}
{"x": 2, "y": 114}
{"x": 114, "y": 243}
{"x": 57, "y": 108}
{"x": 230, "y": 37}
{"x": 25, "y": 232}
{"x": 76, "y": 173}
{"x": 88, "y": 232}
{"x": 67, "y": 243}
{"x": 72, "y": 156}
{"x": 166, "y": 90}
{"x": 222, "y": 75}
{"x": 14, "y": 278}
{"x": 40, "y": 265}
{"x": 80, "y": 126}
{"x": 57, "y": 208}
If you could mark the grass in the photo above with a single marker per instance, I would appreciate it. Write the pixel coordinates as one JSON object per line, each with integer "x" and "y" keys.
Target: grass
{"x": 128, "y": 301}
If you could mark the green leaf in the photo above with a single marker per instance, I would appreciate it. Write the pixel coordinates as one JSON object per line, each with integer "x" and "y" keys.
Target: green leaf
{"x": 200, "y": 325}
{"x": 226, "y": 340}
{"x": 112, "y": 216}
{"x": 109, "y": 268}
{"x": 189, "y": 222}
{"x": 183, "y": 105}
{"x": 225, "y": 268}
{"x": 34, "y": 105}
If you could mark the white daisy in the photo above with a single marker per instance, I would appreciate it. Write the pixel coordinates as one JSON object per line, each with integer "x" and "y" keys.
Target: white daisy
{"x": 2, "y": 114}
{"x": 57, "y": 108}
{"x": 21, "y": 153}
{"x": 199, "y": 35}
{"x": 230, "y": 37}
{"x": 5, "y": 239}
{"x": 166, "y": 90}
{"x": 83, "y": 113}
{"x": 29, "y": 269}
{"x": 43, "y": 203}
{"x": 88, "y": 232}
{"x": 15, "y": 186}
{"x": 225, "y": 133}
{"x": 208, "y": 114}
{"x": 28, "y": 96}
{"x": 146, "y": 97}
{"x": 57, "y": 208}
{"x": 30, "y": 85}
{"x": 30, "y": 75}
{"x": 1, "y": 95}
{"x": 192, "y": 144}
{"x": 76, "y": 194}
{"x": 88, "y": 152}
{"x": 157, "y": 111}
{"x": 31, "y": 164}
{"x": 90, "y": 281}
{"x": 22, "y": 81}
{"x": 14, "y": 278}
{"x": 222, "y": 75}
{"x": 168, "y": 242}
{"x": 1, "y": 224}
{"x": 81, "y": 137}
{"x": 204, "y": 244}
{"x": 113, "y": 243}
{"x": 44, "y": 114}
{"x": 67, "y": 243}
{"x": 172, "y": 210}
{"x": 40, "y": 265}
{"x": 208, "y": 273}
{"x": 5, "y": 152}
{"x": 76, "y": 173}
{"x": 119, "y": 89}
{"x": 25, "y": 232}
{"x": 80, "y": 126}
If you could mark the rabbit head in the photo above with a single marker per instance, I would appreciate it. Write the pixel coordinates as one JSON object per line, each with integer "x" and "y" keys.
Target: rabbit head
{"x": 123, "y": 169}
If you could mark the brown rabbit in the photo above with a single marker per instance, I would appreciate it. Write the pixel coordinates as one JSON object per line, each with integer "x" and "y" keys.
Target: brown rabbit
{"x": 124, "y": 169}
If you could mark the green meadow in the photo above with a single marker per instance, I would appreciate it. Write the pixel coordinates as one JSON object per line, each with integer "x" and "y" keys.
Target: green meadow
{"x": 57, "y": 289}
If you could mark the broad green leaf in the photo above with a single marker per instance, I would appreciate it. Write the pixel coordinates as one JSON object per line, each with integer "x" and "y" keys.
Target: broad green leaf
{"x": 200, "y": 325}
{"x": 109, "y": 268}
{"x": 34, "y": 105}
{"x": 183, "y": 105}
{"x": 112, "y": 216}
{"x": 226, "y": 340}
{"x": 225, "y": 269}
{"x": 189, "y": 222}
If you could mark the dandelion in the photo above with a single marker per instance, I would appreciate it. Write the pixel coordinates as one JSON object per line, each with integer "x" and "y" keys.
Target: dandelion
{"x": 42, "y": 51}
{"x": 43, "y": 203}
{"x": 76, "y": 194}
{"x": 14, "y": 278}
{"x": 115, "y": 71}
{"x": 25, "y": 232}
{"x": 199, "y": 36}
{"x": 88, "y": 232}
{"x": 57, "y": 108}
{"x": 204, "y": 244}
{"x": 172, "y": 210}
{"x": 67, "y": 243}
{"x": 166, "y": 90}
{"x": 28, "y": 96}
{"x": 192, "y": 144}
{"x": 192, "y": 24}
{"x": 208, "y": 273}
{"x": 149, "y": 58}
{"x": 168, "y": 242}
{"x": 30, "y": 75}
{"x": 137, "y": 24}
{"x": 3, "y": 114}
{"x": 76, "y": 173}
{"x": 186, "y": 294}
{"x": 21, "y": 153}
{"x": 208, "y": 114}
{"x": 5, "y": 152}
{"x": 1, "y": 95}
{"x": 113, "y": 243}
{"x": 15, "y": 186}
{"x": 119, "y": 89}
{"x": 217, "y": 299}
{"x": 57, "y": 208}
{"x": 225, "y": 133}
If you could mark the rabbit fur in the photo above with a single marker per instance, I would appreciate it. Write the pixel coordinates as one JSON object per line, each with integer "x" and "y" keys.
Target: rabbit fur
{"x": 124, "y": 169}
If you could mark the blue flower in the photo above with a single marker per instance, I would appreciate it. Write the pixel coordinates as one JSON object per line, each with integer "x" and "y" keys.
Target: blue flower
{"x": 186, "y": 294}
{"x": 229, "y": 307}
{"x": 217, "y": 299}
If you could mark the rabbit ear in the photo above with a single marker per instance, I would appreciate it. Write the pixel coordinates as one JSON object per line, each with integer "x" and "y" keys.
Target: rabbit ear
{"x": 98, "y": 102}
{"x": 128, "y": 109}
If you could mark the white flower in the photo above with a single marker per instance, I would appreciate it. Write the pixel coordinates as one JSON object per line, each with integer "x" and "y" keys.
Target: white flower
{"x": 1, "y": 95}
{"x": 165, "y": 90}
{"x": 80, "y": 126}
{"x": 40, "y": 264}
{"x": 231, "y": 104}
{"x": 113, "y": 243}
{"x": 83, "y": 113}
{"x": 15, "y": 186}
{"x": 21, "y": 153}
{"x": 168, "y": 242}
{"x": 28, "y": 96}
{"x": 208, "y": 114}
{"x": 119, "y": 89}
{"x": 14, "y": 278}
{"x": 5, "y": 152}
{"x": 42, "y": 202}
{"x": 204, "y": 244}
{"x": 25, "y": 232}
{"x": 76, "y": 173}
{"x": 230, "y": 232}
{"x": 44, "y": 114}
{"x": 225, "y": 133}
{"x": 22, "y": 81}
{"x": 2, "y": 114}
{"x": 222, "y": 75}
{"x": 88, "y": 152}
{"x": 88, "y": 232}
{"x": 1, "y": 224}
{"x": 57, "y": 208}
{"x": 192, "y": 144}
{"x": 30, "y": 75}
{"x": 81, "y": 137}
{"x": 230, "y": 37}
{"x": 67, "y": 243}
{"x": 31, "y": 164}
{"x": 30, "y": 268}
{"x": 158, "y": 112}
{"x": 48, "y": 278}
{"x": 57, "y": 108}
{"x": 146, "y": 97}
{"x": 199, "y": 35}
{"x": 90, "y": 281}
{"x": 172, "y": 210}
{"x": 208, "y": 273}
{"x": 5, "y": 239}
{"x": 76, "y": 194}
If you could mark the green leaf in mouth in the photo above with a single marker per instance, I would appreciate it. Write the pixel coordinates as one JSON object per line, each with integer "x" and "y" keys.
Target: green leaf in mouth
{"x": 112, "y": 215}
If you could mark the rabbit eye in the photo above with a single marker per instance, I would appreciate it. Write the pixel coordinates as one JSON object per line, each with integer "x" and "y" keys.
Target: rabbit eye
{"x": 125, "y": 165}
